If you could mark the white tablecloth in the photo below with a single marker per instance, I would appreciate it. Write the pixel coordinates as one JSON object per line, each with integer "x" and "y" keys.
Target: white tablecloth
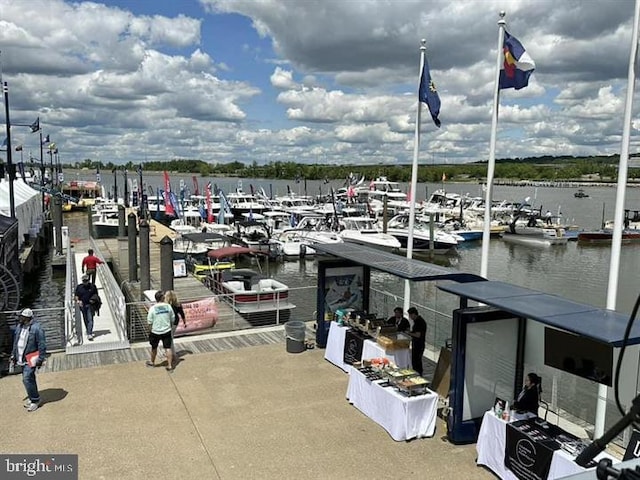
{"x": 334, "y": 352}
{"x": 491, "y": 447}
{"x": 401, "y": 357}
{"x": 401, "y": 416}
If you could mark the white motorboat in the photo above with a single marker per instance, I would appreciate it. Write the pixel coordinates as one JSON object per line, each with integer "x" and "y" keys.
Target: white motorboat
{"x": 293, "y": 244}
{"x": 398, "y": 226}
{"x": 363, "y": 231}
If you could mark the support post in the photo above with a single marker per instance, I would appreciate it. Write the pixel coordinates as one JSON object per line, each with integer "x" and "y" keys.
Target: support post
{"x": 133, "y": 251}
{"x": 145, "y": 258}
{"x": 57, "y": 222}
{"x": 90, "y": 221}
{"x": 122, "y": 224}
{"x": 166, "y": 264}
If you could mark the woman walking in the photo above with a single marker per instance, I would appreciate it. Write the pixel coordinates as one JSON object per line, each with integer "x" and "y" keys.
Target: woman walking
{"x": 171, "y": 298}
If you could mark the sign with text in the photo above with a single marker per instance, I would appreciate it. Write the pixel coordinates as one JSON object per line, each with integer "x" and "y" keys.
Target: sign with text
{"x": 526, "y": 453}
{"x": 45, "y": 467}
{"x": 633, "y": 447}
{"x": 353, "y": 343}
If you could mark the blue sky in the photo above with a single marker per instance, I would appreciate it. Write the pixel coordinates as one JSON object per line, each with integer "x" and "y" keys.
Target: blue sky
{"x": 326, "y": 81}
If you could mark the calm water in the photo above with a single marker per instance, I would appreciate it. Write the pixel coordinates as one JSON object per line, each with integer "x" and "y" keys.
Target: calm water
{"x": 576, "y": 272}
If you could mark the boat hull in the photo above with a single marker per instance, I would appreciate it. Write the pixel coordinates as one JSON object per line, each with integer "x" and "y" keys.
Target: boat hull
{"x": 606, "y": 237}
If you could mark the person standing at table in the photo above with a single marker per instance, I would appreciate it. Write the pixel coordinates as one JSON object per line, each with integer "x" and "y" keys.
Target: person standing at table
{"x": 529, "y": 398}
{"x": 90, "y": 264}
{"x": 418, "y": 339}
{"x": 399, "y": 320}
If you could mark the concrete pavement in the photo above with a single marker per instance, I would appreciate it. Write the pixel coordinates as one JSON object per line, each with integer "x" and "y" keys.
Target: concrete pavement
{"x": 251, "y": 413}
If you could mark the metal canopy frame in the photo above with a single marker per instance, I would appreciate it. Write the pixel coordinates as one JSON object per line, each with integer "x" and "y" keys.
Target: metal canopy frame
{"x": 606, "y": 326}
{"x": 407, "y": 268}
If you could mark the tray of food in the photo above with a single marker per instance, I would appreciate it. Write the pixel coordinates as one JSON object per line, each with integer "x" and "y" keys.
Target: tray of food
{"x": 399, "y": 374}
{"x": 413, "y": 386}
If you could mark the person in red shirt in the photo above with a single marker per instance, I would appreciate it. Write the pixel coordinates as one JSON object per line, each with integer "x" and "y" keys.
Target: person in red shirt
{"x": 89, "y": 265}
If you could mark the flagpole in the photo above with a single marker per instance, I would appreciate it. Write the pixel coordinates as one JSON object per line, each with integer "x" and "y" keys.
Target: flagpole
{"x": 414, "y": 179}
{"x": 616, "y": 241}
{"x": 486, "y": 233}
{"x": 12, "y": 175}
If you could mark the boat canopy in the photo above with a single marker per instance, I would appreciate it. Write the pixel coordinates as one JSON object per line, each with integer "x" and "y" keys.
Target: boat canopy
{"x": 226, "y": 252}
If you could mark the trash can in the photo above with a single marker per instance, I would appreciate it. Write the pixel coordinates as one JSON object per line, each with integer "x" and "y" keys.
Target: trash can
{"x": 295, "y": 332}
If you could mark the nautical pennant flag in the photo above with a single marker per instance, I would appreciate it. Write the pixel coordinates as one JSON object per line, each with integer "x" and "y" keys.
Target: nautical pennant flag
{"x": 35, "y": 126}
{"x": 208, "y": 200}
{"x": 428, "y": 93}
{"x": 168, "y": 208}
{"x": 45, "y": 140}
{"x": 98, "y": 178}
{"x": 517, "y": 66}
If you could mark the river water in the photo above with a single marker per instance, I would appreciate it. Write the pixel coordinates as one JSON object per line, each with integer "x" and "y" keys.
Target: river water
{"x": 574, "y": 271}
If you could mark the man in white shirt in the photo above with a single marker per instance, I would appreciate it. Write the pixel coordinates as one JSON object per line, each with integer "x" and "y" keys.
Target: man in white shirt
{"x": 161, "y": 318}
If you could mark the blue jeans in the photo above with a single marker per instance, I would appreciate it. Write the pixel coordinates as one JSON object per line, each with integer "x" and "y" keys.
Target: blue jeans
{"x": 87, "y": 316}
{"x": 29, "y": 381}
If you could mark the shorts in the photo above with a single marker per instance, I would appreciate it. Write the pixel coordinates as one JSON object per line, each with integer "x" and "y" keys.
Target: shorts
{"x": 154, "y": 339}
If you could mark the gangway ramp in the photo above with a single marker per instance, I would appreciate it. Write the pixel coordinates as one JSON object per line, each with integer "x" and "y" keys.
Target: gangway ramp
{"x": 109, "y": 325}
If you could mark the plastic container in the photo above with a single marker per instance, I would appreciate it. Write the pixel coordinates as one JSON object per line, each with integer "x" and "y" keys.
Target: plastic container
{"x": 295, "y": 333}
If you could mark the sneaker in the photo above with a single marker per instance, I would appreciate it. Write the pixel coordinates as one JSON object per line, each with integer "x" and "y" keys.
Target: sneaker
{"x": 169, "y": 369}
{"x": 27, "y": 403}
{"x": 149, "y": 364}
{"x": 32, "y": 407}
{"x": 90, "y": 337}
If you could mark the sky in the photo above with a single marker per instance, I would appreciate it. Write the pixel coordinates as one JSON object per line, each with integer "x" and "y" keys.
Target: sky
{"x": 312, "y": 81}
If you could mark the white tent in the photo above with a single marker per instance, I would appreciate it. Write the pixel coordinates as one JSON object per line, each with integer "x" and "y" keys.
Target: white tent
{"x": 28, "y": 207}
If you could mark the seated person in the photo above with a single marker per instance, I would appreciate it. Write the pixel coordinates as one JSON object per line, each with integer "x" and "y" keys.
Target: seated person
{"x": 529, "y": 397}
{"x": 399, "y": 320}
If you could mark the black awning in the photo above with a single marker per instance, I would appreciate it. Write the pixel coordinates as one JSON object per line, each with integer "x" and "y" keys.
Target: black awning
{"x": 407, "y": 268}
{"x": 599, "y": 324}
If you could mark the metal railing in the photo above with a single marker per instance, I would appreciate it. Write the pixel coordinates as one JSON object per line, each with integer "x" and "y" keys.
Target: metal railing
{"x": 72, "y": 316}
{"x": 113, "y": 295}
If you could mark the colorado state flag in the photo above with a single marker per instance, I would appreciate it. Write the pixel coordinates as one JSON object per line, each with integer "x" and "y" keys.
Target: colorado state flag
{"x": 428, "y": 93}
{"x": 518, "y": 65}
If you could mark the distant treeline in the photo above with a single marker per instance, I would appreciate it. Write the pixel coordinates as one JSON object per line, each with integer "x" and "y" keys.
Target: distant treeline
{"x": 601, "y": 168}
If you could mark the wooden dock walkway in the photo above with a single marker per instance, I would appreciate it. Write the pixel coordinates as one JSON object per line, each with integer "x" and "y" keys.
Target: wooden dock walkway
{"x": 116, "y": 252}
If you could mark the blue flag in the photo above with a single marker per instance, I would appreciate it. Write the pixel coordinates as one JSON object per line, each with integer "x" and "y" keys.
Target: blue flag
{"x": 517, "y": 66}
{"x": 428, "y": 93}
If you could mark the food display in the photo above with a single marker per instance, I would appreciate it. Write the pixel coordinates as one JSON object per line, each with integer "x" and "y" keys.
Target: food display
{"x": 394, "y": 342}
{"x": 413, "y": 386}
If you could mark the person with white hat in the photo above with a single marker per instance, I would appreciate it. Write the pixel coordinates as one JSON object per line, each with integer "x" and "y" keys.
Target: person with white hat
{"x": 29, "y": 351}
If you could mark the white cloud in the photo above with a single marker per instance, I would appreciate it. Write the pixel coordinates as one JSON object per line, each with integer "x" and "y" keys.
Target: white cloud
{"x": 340, "y": 82}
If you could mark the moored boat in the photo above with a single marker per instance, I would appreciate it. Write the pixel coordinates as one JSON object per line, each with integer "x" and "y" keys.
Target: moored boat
{"x": 259, "y": 300}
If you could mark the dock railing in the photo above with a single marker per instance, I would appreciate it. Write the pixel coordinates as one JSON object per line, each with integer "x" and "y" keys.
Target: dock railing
{"x": 113, "y": 295}
{"x": 72, "y": 315}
